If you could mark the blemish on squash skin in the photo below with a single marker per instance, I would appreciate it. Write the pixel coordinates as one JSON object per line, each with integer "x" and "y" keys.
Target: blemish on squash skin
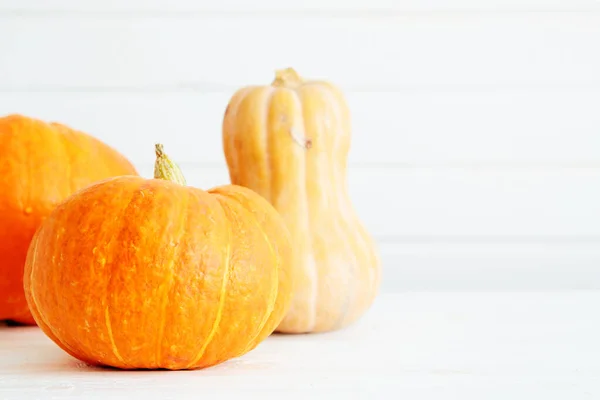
{"x": 302, "y": 141}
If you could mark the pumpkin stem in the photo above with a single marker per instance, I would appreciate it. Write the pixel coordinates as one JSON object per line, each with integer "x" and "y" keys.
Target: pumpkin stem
{"x": 166, "y": 169}
{"x": 287, "y": 77}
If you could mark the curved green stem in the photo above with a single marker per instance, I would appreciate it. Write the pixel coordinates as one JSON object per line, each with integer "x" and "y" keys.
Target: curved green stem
{"x": 165, "y": 168}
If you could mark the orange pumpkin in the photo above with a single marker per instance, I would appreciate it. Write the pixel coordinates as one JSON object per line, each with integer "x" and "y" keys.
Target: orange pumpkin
{"x": 40, "y": 165}
{"x": 141, "y": 273}
{"x": 289, "y": 142}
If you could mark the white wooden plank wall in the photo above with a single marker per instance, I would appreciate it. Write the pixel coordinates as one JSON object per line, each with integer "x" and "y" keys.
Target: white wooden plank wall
{"x": 476, "y": 148}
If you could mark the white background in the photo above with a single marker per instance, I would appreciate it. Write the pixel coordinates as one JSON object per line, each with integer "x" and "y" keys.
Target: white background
{"x": 476, "y": 123}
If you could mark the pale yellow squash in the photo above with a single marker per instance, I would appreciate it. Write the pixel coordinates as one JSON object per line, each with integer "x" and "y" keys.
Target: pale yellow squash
{"x": 289, "y": 141}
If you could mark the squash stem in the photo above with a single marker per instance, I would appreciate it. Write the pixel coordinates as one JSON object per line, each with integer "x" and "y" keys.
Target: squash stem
{"x": 287, "y": 77}
{"x": 165, "y": 168}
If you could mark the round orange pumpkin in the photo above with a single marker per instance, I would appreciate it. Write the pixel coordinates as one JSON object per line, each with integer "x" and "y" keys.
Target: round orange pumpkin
{"x": 40, "y": 165}
{"x": 289, "y": 142}
{"x": 149, "y": 273}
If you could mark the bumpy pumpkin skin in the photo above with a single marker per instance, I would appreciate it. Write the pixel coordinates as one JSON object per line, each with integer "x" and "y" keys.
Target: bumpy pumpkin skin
{"x": 40, "y": 165}
{"x": 289, "y": 142}
{"x": 148, "y": 274}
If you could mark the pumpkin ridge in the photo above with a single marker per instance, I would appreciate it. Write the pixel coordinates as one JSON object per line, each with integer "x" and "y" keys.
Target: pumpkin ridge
{"x": 222, "y": 296}
{"x": 32, "y": 293}
{"x": 363, "y": 294}
{"x": 302, "y": 300}
{"x": 260, "y": 171}
{"x": 111, "y": 337}
{"x": 62, "y": 138}
{"x": 228, "y": 196}
{"x": 275, "y": 280}
{"x": 86, "y": 220}
{"x": 55, "y": 284}
{"x": 341, "y": 202}
{"x": 30, "y": 170}
{"x": 299, "y": 138}
{"x": 34, "y": 308}
{"x": 311, "y": 251}
{"x": 116, "y": 239}
{"x": 182, "y": 230}
{"x": 229, "y": 140}
{"x": 267, "y": 145}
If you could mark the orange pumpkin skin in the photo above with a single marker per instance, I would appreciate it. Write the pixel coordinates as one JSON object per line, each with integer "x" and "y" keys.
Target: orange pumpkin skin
{"x": 289, "y": 142}
{"x": 40, "y": 165}
{"x": 148, "y": 274}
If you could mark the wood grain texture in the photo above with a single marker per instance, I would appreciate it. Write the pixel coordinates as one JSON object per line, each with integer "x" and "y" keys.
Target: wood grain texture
{"x": 423, "y": 345}
{"x": 107, "y": 51}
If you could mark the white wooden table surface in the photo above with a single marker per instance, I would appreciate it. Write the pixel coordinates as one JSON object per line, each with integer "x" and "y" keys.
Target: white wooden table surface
{"x": 409, "y": 346}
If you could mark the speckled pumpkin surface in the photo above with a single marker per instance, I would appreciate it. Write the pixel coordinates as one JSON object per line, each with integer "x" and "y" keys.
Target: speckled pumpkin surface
{"x": 40, "y": 165}
{"x": 151, "y": 273}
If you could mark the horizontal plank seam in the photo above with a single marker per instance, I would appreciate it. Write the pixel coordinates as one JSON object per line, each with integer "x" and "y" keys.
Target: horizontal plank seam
{"x": 514, "y": 239}
{"x": 470, "y": 166}
{"x": 354, "y": 13}
{"x": 216, "y": 88}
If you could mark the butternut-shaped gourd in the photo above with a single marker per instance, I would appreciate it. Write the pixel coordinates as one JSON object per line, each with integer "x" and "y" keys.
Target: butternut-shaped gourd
{"x": 289, "y": 142}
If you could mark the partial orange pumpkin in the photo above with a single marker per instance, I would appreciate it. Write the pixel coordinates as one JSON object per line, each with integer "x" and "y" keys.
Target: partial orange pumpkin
{"x": 40, "y": 165}
{"x": 151, "y": 273}
{"x": 289, "y": 141}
